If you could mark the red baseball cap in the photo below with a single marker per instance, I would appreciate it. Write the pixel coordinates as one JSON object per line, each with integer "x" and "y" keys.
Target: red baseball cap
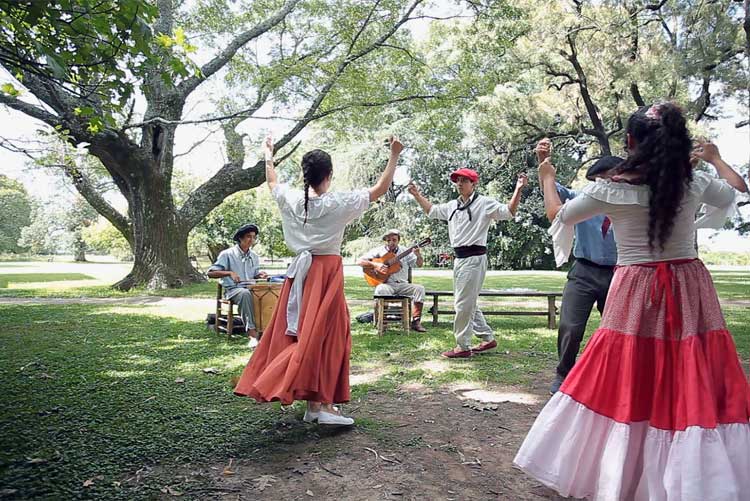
{"x": 469, "y": 174}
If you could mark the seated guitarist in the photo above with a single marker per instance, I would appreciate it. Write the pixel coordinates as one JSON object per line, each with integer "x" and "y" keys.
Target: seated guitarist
{"x": 397, "y": 284}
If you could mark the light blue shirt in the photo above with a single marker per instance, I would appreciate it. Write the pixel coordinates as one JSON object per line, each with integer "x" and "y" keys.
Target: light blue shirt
{"x": 244, "y": 264}
{"x": 589, "y": 242}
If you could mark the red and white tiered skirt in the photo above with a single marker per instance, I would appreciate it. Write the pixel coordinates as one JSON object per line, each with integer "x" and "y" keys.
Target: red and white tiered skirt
{"x": 658, "y": 406}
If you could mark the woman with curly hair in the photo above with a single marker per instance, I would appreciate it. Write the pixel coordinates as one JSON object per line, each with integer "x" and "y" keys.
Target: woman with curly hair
{"x": 657, "y": 407}
{"x": 304, "y": 353}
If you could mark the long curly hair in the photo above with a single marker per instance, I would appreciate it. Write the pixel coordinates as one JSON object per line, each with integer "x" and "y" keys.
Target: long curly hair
{"x": 661, "y": 158}
{"x": 316, "y": 167}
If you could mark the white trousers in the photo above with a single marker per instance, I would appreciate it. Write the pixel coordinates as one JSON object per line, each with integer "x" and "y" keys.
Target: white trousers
{"x": 468, "y": 277}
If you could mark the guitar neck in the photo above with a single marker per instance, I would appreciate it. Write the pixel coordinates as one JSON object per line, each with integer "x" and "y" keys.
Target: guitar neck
{"x": 399, "y": 257}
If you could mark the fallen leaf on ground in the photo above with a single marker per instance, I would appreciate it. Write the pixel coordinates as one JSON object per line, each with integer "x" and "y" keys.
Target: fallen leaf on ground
{"x": 264, "y": 481}
{"x": 89, "y": 482}
{"x": 211, "y": 370}
{"x": 228, "y": 468}
{"x": 179, "y": 380}
{"x": 170, "y": 491}
{"x": 309, "y": 493}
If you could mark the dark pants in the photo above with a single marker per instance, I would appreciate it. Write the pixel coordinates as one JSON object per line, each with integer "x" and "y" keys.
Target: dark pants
{"x": 587, "y": 284}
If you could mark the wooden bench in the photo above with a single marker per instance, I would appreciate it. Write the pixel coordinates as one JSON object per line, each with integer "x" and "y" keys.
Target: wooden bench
{"x": 550, "y": 313}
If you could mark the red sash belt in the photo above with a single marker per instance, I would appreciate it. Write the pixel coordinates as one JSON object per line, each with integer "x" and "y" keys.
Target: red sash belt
{"x": 662, "y": 285}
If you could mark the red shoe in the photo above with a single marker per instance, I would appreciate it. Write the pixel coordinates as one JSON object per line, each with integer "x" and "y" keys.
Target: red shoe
{"x": 489, "y": 346}
{"x": 457, "y": 354}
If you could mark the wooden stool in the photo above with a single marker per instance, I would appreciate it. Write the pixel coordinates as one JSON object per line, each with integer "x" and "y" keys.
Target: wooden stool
{"x": 392, "y": 310}
{"x": 224, "y": 318}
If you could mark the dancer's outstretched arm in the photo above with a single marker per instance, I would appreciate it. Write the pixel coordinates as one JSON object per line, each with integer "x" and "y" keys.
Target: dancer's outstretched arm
{"x": 379, "y": 189}
{"x": 421, "y": 200}
{"x": 708, "y": 152}
{"x": 271, "y": 177}
{"x": 552, "y": 201}
{"x": 516, "y": 198}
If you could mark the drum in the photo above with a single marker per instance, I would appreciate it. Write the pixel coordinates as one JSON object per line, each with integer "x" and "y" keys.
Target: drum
{"x": 265, "y": 297}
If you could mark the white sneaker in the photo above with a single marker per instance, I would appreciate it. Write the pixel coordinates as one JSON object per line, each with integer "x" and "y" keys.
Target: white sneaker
{"x": 334, "y": 419}
{"x": 252, "y": 343}
{"x": 312, "y": 416}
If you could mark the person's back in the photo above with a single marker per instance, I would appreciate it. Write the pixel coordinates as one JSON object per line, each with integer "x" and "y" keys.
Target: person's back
{"x": 628, "y": 207}
{"x": 320, "y": 229}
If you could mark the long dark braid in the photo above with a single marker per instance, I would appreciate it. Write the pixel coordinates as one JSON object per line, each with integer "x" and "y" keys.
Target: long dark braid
{"x": 662, "y": 159}
{"x": 316, "y": 167}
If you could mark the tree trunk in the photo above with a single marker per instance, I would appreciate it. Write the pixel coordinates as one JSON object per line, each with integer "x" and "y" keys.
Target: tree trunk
{"x": 160, "y": 249}
{"x": 79, "y": 249}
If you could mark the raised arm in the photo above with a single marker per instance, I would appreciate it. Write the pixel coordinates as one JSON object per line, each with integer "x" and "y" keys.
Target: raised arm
{"x": 421, "y": 200}
{"x": 271, "y": 177}
{"x": 552, "y": 201}
{"x": 516, "y": 198}
{"x": 708, "y": 152}
{"x": 379, "y": 189}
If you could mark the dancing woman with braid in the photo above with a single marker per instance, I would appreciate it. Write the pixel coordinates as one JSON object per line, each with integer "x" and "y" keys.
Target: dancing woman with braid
{"x": 657, "y": 407}
{"x": 304, "y": 353}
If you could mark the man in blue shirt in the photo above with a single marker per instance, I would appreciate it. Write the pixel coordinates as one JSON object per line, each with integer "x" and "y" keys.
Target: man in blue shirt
{"x": 588, "y": 282}
{"x": 235, "y": 268}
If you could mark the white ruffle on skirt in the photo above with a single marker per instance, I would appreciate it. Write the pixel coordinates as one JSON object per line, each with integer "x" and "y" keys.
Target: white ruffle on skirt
{"x": 565, "y": 451}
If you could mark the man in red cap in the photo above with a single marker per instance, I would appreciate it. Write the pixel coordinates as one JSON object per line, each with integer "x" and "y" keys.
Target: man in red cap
{"x": 469, "y": 218}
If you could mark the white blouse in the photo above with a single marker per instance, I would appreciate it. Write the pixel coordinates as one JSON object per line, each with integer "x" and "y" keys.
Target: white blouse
{"x": 627, "y": 206}
{"x": 327, "y": 217}
{"x": 461, "y": 230}
{"x": 322, "y": 234}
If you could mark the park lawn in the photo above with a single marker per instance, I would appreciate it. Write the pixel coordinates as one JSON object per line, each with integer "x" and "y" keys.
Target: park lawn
{"x": 95, "y": 393}
{"x": 12, "y": 279}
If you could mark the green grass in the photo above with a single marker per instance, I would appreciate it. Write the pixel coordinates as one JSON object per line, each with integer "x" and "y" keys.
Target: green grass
{"x": 20, "y": 278}
{"x": 90, "y": 392}
{"x": 732, "y": 284}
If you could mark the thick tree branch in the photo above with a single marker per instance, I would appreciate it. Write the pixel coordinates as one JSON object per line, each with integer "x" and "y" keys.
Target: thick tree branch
{"x": 29, "y": 109}
{"x": 599, "y": 131}
{"x": 84, "y": 186}
{"x": 704, "y": 100}
{"x": 239, "y": 41}
{"x": 232, "y": 177}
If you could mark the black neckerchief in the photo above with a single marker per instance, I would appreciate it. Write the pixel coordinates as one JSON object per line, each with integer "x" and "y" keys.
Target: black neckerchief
{"x": 465, "y": 206}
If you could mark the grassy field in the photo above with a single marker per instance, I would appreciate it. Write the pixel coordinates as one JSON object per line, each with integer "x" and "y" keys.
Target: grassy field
{"x": 94, "y": 393}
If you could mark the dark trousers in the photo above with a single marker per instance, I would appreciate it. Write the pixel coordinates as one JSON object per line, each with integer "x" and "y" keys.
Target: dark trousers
{"x": 587, "y": 284}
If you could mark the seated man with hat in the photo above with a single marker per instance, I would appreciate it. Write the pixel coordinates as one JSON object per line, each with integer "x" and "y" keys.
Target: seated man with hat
{"x": 234, "y": 268}
{"x": 397, "y": 284}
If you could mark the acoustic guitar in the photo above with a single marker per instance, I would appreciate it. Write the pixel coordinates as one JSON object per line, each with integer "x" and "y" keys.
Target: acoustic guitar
{"x": 393, "y": 261}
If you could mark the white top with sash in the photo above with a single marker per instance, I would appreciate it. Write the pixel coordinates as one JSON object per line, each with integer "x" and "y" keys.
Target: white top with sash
{"x": 327, "y": 217}
{"x": 469, "y": 226}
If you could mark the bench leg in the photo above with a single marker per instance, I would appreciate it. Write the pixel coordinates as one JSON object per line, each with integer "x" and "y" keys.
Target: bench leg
{"x": 405, "y": 315}
{"x": 380, "y": 318}
{"x": 218, "y": 318}
{"x": 551, "y": 319}
{"x": 230, "y": 320}
{"x": 434, "y": 310}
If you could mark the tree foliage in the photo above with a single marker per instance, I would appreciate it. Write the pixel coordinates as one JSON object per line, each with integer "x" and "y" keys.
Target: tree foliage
{"x": 15, "y": 207}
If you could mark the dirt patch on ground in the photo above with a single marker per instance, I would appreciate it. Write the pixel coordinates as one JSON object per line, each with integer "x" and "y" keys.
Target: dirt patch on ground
{"x": 414, "y": 444}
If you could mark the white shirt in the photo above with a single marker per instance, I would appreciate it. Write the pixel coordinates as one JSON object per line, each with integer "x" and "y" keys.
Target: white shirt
{"x": 402, "y": 275}
{"x": 322, "y": 234}
{"x": 627, "y": 206}
{"x": 463, "y": 232}
{"x": 327, "y": 217}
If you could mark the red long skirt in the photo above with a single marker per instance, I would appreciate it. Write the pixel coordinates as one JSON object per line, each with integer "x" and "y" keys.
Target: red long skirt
{"x": 314, "y": 365}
